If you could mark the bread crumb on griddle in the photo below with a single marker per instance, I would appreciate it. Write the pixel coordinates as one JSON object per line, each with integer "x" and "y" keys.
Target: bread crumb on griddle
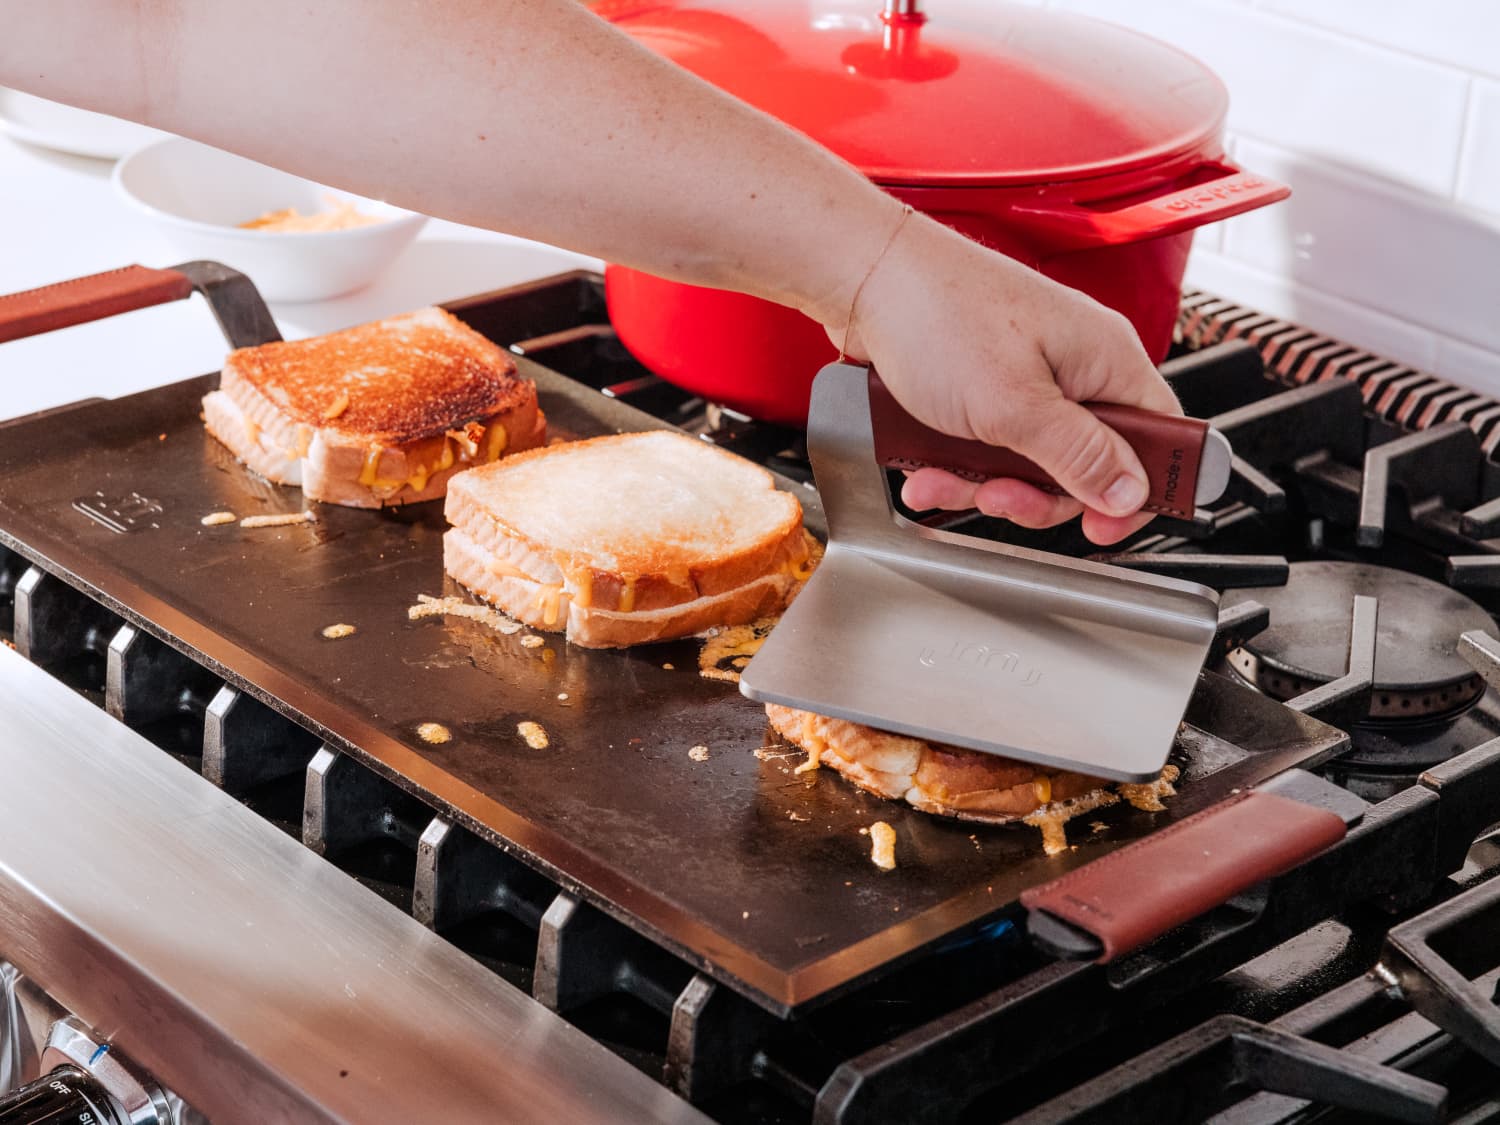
{"x": 428, "y": 606}
{"x": 214, "y": 519}
{"x": 434, "y": 733}
{"x": 335, "y": 632}
{"x": 534, "y": 734}
{"x": 531, "y": 640}
{"x": 285, "y": 519}
{"x": 698, "y": 753}
{"x": 883, "y": 846}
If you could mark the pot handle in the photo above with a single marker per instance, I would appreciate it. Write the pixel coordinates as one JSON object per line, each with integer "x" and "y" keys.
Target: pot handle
{"x": 1114, "y": 222}
{"x": 233, "y": 299}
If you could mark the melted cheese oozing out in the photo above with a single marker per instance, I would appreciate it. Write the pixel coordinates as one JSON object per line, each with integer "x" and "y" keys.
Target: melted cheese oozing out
{"x": 627, "y": 595}
{"x": 420, "y": 474}
{"x": 549, "y": 601}
{"x": 583, "y": 588}
{"x": 1043, "y": 788}
{"x": 304, "y": 442}
{"x": 498, "y": 440}
{"x": 507, "y": 569}
{"x": 811, "y": 743}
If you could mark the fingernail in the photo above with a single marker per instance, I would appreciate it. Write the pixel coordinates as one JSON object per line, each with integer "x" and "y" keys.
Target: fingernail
{"x": 1125, "y": 495}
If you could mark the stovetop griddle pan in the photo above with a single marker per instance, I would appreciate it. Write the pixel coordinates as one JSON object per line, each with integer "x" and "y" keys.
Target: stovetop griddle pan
{"x": 759, "y": 877}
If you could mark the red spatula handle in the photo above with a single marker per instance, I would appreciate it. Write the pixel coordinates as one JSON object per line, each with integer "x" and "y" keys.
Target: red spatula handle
{"x": 34, "y": 311}
{"x": 1169, "y": 446}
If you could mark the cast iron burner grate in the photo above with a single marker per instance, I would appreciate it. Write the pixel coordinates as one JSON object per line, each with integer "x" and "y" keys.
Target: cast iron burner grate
{"x": 1308, "y": 988}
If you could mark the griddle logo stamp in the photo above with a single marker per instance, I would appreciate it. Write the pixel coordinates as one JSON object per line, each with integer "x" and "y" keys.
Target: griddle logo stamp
{"x": 1174, "y": 476}
{"x": 981, "y": 656}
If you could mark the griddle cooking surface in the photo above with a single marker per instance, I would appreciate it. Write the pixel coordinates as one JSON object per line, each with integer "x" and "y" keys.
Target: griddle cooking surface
{"x": 754, "y": 875}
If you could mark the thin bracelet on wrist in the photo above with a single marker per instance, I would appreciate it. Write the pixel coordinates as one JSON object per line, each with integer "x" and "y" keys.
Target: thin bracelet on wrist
{"x": 906, "y": 211}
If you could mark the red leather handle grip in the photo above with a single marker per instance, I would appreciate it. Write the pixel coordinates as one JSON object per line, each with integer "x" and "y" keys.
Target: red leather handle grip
{"x": 1138, "y": 893}
{"x": 95, "y": 297}
{"x": 1169, "y": 446}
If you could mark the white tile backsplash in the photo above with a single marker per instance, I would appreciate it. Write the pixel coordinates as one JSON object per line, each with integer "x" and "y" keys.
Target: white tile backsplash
{"x": 1301, "y": 86}
{"x": 1473, "y": 367}
{"x": 1464, "y": 34}
{"x": 1277, "y": 295}
{"x": 1391, "y": 250}
{"x": 1384, "y": 117}
{"x": 1479, "y": 169}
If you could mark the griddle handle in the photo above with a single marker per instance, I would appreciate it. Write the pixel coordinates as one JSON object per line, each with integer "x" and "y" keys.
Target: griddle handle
{"x": 236, "y": 304}
{"x": 1141, "y": 891}
{"x": 1187, "y": 463}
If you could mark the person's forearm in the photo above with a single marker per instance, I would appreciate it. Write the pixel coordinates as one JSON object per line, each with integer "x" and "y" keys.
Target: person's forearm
{"x": 528, "y": 116}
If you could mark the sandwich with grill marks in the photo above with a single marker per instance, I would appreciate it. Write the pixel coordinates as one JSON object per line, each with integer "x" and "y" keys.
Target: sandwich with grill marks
{"x": 626, "y": 539}
{"x": 382, "y": 414}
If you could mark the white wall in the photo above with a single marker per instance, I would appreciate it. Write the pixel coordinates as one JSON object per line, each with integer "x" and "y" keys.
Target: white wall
{"x": 1384, "y": 117}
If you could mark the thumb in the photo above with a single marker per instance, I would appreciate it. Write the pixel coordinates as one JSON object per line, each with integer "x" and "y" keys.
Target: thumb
{"x": 1086, "y": 457}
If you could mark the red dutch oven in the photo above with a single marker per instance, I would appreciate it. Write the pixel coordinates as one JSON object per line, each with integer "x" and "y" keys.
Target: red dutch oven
{"x": 1085, "y": 150}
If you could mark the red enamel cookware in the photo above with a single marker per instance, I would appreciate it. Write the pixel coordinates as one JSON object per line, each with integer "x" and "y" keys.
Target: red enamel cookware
{"x": 1085, "y": 150}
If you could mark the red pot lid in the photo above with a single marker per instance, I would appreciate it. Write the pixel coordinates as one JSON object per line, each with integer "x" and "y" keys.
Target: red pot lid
{"x": 973, "y": 92}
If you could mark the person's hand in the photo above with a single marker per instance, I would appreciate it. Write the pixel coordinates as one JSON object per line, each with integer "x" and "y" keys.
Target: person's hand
{"x": 979, "y": 346}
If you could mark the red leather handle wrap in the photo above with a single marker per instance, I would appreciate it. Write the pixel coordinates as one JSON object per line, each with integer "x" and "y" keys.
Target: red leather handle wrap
{"x": 1145, "y": 889}
{"x": 88, "y": 298}
{"x": 1169, "y": 446}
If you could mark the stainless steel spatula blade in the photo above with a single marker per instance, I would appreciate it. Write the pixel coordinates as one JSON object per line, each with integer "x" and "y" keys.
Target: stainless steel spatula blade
{"x": 957, "y": 640}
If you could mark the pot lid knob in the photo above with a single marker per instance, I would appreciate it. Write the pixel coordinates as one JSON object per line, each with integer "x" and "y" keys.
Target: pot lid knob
{"x": 908, "y": 11}
{"x": 900, "y": 54}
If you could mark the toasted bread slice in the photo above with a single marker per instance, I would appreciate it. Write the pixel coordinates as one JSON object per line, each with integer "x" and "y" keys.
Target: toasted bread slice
{"x": 626, "y": 539}
{"x": 384, "y": 413}
{"x": 937, "y": 779}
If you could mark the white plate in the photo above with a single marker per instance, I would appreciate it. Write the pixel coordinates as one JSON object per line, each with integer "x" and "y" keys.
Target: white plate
{"x": 65, "y": 129}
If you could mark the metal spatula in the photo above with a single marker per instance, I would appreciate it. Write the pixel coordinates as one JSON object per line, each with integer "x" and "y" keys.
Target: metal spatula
{"x": 1071, "y": 664}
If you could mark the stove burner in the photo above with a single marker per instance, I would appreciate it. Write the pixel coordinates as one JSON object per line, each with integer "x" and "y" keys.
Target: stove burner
{"x": 1418, "y": 672}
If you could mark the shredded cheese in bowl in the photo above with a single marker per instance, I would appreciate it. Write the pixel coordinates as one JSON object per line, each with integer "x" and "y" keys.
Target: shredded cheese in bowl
{"x": 341, "y": 215}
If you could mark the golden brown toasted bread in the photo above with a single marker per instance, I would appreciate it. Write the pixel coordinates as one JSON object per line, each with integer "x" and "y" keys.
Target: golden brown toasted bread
{"x": 383, "y": 413}
{"x": 626, "y": 539}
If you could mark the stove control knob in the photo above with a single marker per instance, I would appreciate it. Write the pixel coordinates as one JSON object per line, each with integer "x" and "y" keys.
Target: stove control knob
{"x": 84, "y": 1083}
{"x": 66, "y": 1096}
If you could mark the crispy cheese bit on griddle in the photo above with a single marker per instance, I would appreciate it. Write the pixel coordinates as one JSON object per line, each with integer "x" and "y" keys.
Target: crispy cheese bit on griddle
{"x": 339, "y": 631}
{"x": 1147, "y": 796}
{"x": 434, "y": 733}
{"x": 214, "y": 519}
{"x": 883, "y": 846}
{"x": 531, "y": 640}
{"x": 285, "y": 520}
{"x": 534, "y": 734}
{"x": 698, "y": 753}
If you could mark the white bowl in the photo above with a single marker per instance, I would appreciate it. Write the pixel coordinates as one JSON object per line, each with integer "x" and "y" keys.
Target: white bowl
{"x": 198, "y": 196}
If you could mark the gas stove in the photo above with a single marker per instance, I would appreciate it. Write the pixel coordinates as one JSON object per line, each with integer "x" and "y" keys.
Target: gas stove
{"x": 1355, "y": 647}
